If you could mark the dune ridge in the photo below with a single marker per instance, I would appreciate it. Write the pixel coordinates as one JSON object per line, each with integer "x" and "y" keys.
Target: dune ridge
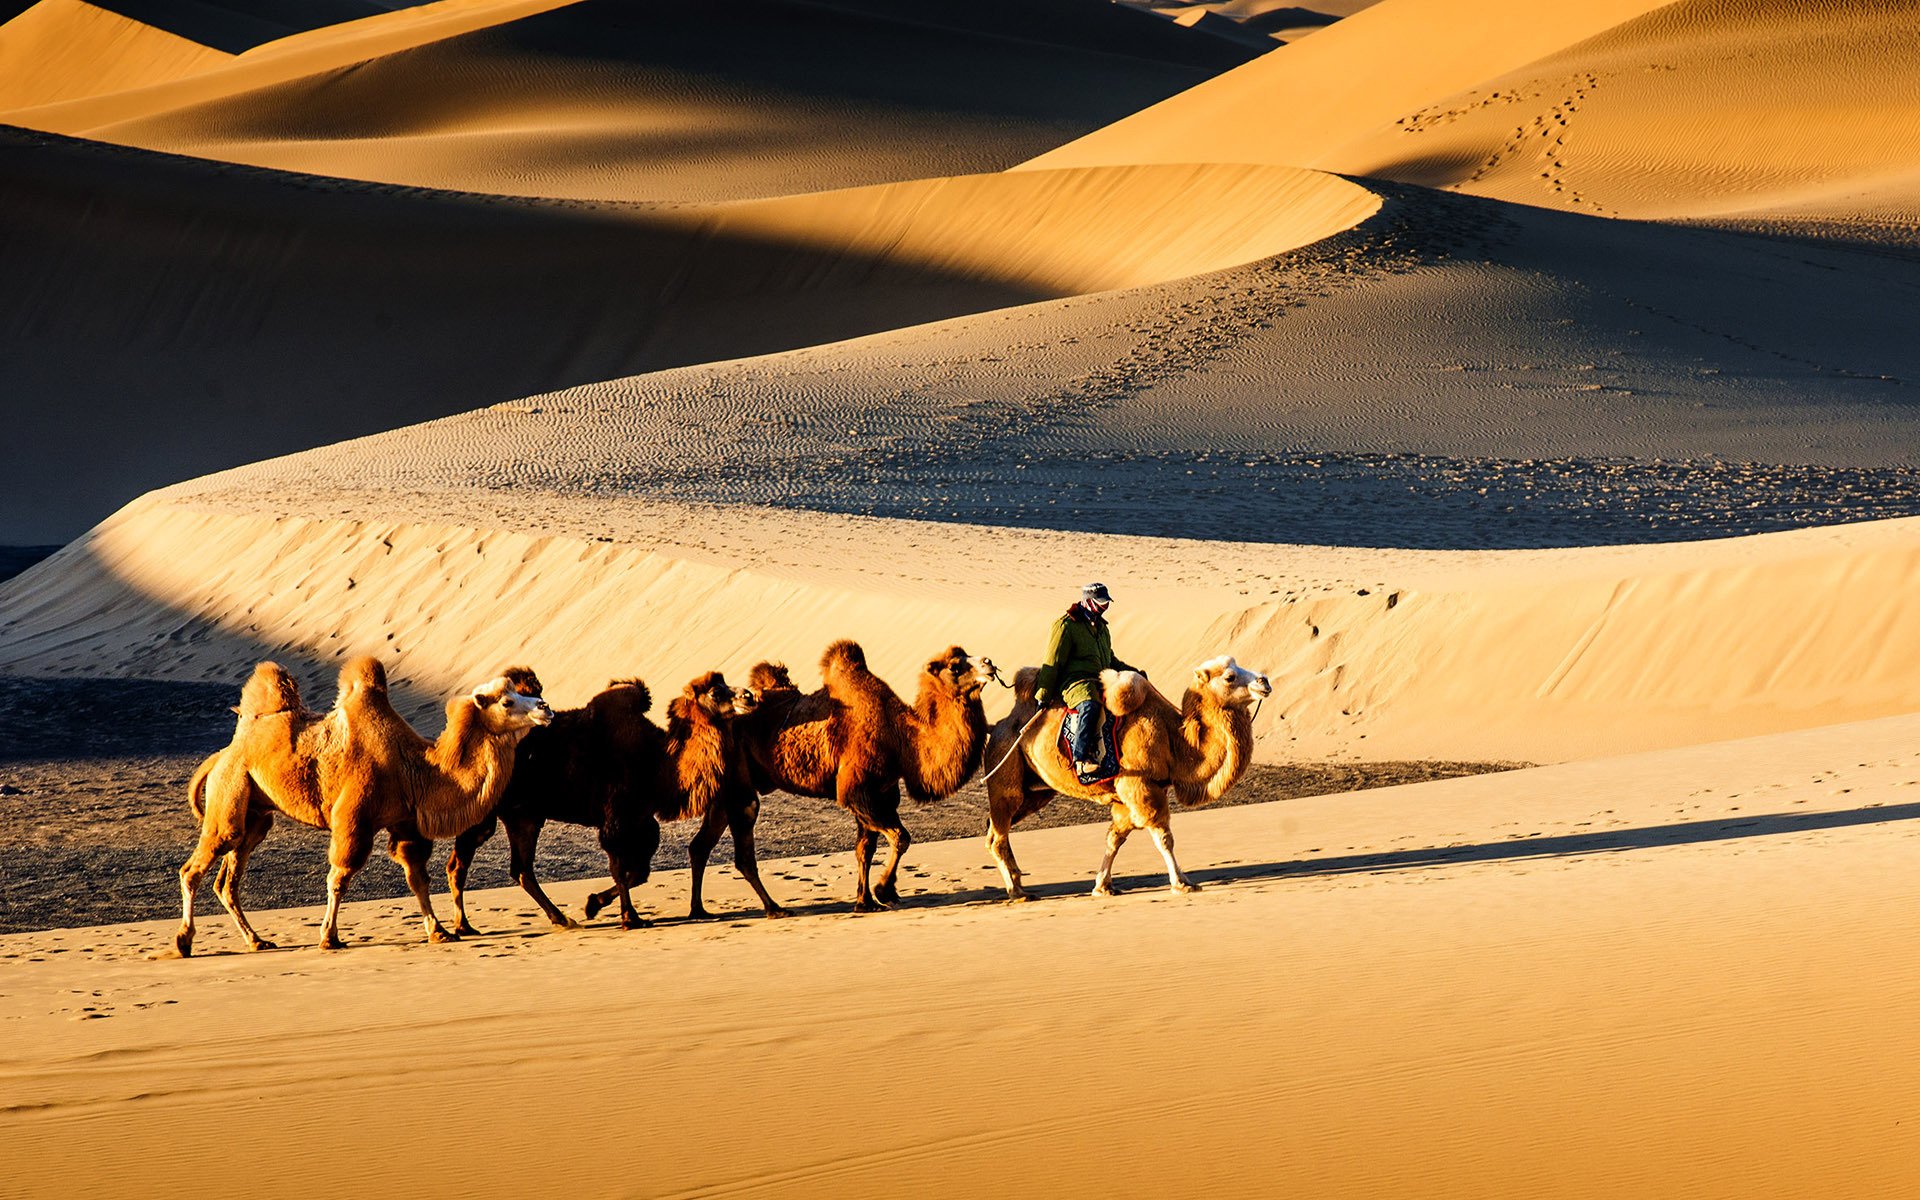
{"x": 660, "y": 101}
{"x": 1700, "y": 108}
{"x": 63, "y": 50}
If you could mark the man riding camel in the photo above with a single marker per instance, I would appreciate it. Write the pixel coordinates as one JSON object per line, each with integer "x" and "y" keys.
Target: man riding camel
{"x": 1080, "y": 648}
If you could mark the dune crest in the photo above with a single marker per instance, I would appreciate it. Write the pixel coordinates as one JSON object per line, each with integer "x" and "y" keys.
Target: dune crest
{"x": 65, "y": 50}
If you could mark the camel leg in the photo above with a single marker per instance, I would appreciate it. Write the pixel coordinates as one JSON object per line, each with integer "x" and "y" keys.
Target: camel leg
{"x": 1176, "y": 878}
{"x": 1117, "y": 833}
{"x": 459, "y": 862}
{"x": 412, "y": 853}
{"x": 226, "y": 884}
{"x": 701, "y": 849}
{"x": 223, "y": 827}
{"x": 214, "y": 842}
{"x": 523, "y": 838}
{"x": 346, "y": 854}
{"x": 740, "y": 820}
{"x": 864, "y": 841}
{"x": 898, "y": 839}
{"x": 1005, "y": 790}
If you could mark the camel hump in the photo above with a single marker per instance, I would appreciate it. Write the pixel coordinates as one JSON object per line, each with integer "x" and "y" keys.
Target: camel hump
{"x": 1023, "y": 684}
{"x": 843, "y": 664}
{"x": 770, "y": 677}
{"x": 364, "y": 674}
{"x": 633, "y": 691}
{"x": 270, "y": 689}
{"x": 1124, "y": 691}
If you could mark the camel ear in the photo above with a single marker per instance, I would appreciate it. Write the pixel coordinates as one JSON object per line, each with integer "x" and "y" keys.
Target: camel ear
{"x": 485, "y": 699}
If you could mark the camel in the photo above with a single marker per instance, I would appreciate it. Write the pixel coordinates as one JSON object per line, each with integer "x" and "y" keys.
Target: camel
{"x": 608, "y": 767}
{"x": 1197, "y": 750}
{"x": 854, "y": 741}
{"x": 355, "y": 770}
{"x": 701, "y": 775}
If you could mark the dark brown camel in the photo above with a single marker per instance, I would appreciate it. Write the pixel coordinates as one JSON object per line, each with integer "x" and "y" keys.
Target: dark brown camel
{"x": 608, "y": 767}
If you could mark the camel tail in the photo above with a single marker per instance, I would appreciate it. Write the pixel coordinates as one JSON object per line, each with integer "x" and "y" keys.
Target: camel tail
{"x": 197, "y": 786}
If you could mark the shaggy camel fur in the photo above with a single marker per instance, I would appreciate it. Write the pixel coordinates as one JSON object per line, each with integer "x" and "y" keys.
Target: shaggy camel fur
{"x": 856, "y": 742}
{"x": 353, "y": 771}
{"x": 609, "y": 767}
{"x": 1199, "y": 750}
{"x": 701, "y": 775}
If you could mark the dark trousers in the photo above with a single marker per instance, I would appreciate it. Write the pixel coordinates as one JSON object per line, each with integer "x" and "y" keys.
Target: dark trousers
{"x": 1083, "y": 732}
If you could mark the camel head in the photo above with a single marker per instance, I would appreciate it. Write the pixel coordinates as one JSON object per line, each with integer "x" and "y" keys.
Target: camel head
{"x": 769, "y": 677}
{"x": 1230, "y": 684}
{"x": 960, "y": 672}
{"x": 712, "y": 693}
{"x": 511, "y": 702}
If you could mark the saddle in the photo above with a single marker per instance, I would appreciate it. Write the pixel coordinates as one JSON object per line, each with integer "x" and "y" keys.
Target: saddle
{"x": 1109, "y": 746}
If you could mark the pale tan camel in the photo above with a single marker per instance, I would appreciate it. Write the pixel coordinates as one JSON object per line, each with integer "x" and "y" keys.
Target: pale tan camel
{"x": 1198, "y": 750}
{"x": 355, "y": 770}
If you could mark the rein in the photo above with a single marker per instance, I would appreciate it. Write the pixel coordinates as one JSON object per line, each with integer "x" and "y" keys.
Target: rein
{"x": 1015, "y": 748}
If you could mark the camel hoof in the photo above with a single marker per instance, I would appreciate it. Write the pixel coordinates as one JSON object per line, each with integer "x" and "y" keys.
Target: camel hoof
{"x": 1018, "y": 897}
{"x": 183, "y": 945}
{"x": 1186, "y": 887}
{"x": 886, "y": 893}
{"x": 567, "y": 923}
{"x": 699, "y": 914}
{"x": 867, "y": 906}
{"x": 332, "y": 943}
{"x": 635, "y": 923}
{"x": 441, "y": 933}
{"x": 1105, "y": 889}
{"x": 259, "y": 944}
{"x": 776, "y": 912}
{"x": 592, "y": 907}
{"x": 466, "y": 929}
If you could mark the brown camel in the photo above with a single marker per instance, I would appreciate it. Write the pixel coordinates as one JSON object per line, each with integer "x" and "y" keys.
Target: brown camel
{"x": 608, "y": 767}
{"x": 1199, "y": 750}
{"x": 856, "y": 742}
{"x": 701, "y": 775}
{"x": 355, "y": 770}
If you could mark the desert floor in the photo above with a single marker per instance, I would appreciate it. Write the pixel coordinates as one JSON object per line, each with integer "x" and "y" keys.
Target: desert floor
{"x": 1526, "y": 390}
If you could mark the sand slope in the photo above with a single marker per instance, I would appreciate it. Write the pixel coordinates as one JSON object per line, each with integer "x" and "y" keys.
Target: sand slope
{"x": 666, "y": 101}
{"x": 1704, "y": 108}
{"x": 1681, "y": 974}
{"x": 277, "y": 312}
{"x": 1500, "y": 656}
{"x": 65, "y": 49}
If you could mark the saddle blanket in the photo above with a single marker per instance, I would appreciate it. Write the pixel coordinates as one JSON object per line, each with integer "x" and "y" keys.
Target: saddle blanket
{"x": 1109, "y": 745}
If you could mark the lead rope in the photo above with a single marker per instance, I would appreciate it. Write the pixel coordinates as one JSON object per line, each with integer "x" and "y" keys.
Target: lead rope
{"x": 1015, "y": 748}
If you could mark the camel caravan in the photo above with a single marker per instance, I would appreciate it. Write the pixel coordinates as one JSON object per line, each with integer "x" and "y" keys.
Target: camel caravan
{"x": 506, "y": 758}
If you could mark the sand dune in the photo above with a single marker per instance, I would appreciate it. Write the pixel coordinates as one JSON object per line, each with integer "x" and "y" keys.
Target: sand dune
{"x": 277, "y": 312}
{"x": 1683, "y": 974}
{"x": 65, "y": 49}
{"x": 1534, "y": 656}
{"x": 664, "y": 101}
{"x": 1692, "y": 109}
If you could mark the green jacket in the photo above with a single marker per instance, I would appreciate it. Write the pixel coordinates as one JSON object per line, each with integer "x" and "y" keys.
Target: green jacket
{"x": 1080, "y": 648}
